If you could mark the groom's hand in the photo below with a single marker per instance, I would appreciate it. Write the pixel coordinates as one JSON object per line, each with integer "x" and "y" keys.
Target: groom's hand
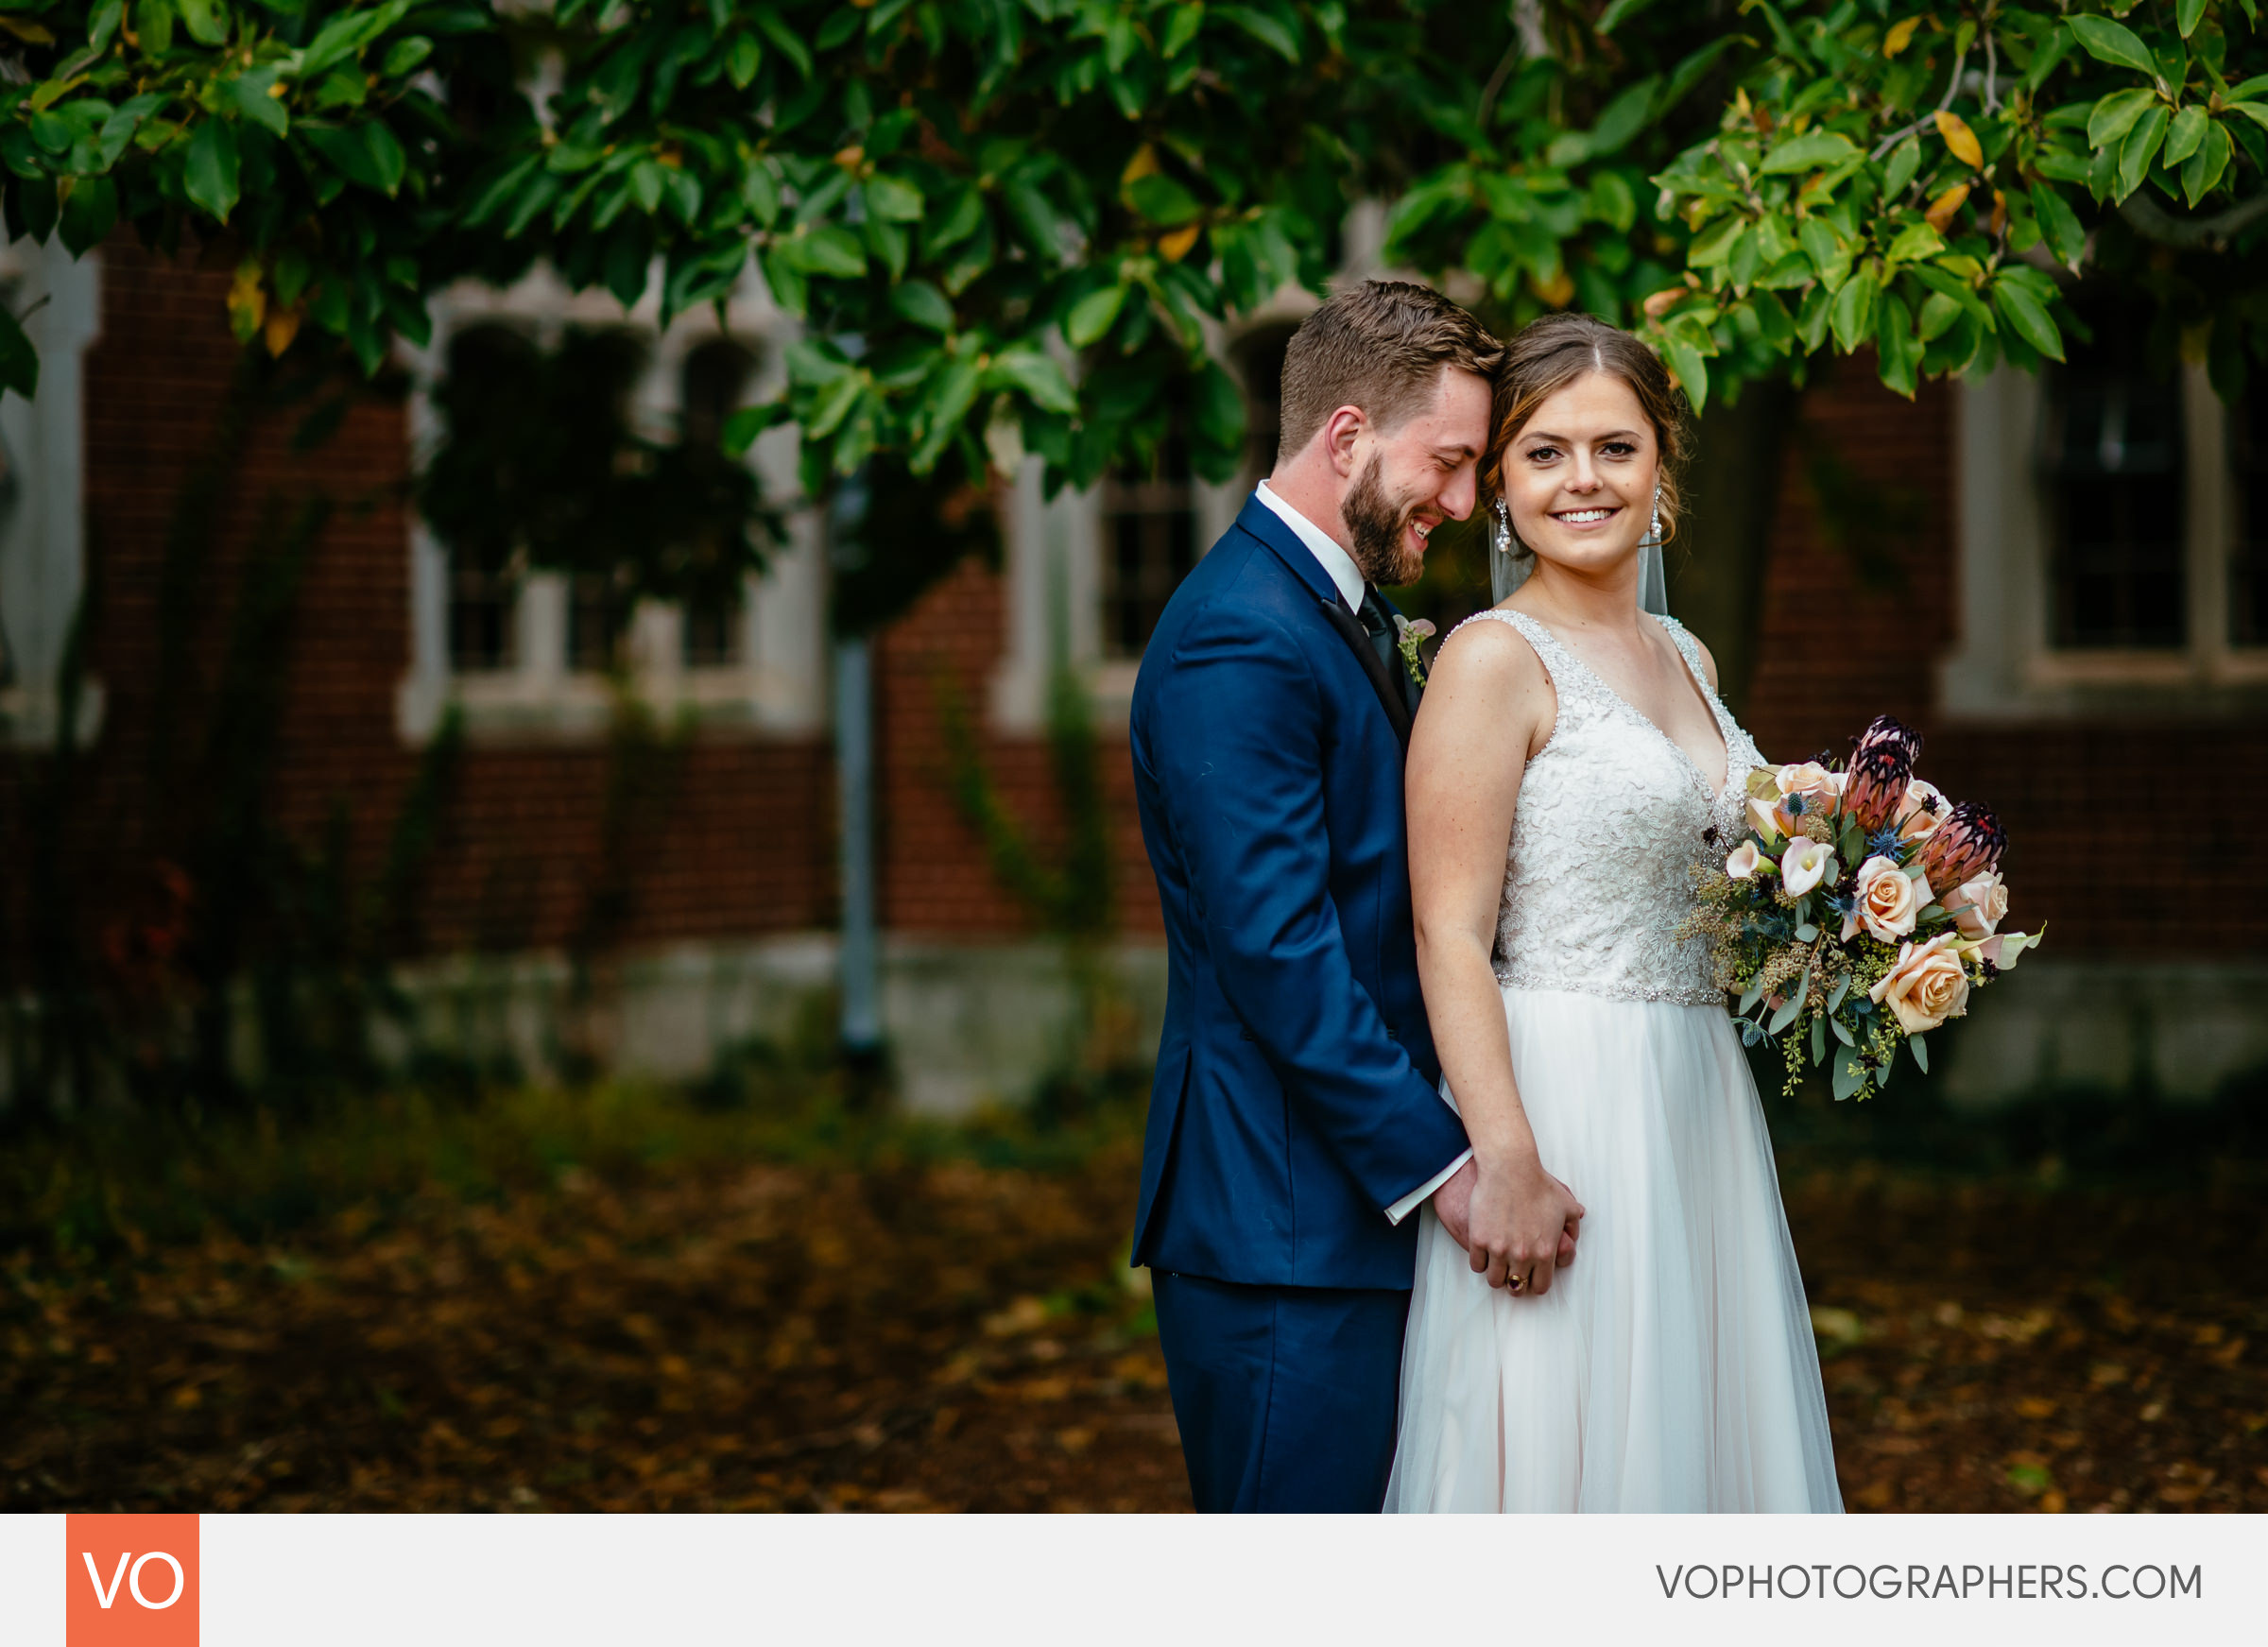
{"x": 1453, "y": 1203}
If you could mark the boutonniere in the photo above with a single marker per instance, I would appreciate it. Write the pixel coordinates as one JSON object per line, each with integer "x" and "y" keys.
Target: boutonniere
{"x": 1408, "y": 637}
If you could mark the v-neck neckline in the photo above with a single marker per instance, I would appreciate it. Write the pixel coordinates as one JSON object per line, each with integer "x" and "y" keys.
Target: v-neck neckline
{"x": 1700, "y": 686}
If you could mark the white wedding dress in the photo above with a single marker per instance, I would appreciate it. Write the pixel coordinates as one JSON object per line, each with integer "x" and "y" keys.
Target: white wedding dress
{"x": 1671, "y": 1366}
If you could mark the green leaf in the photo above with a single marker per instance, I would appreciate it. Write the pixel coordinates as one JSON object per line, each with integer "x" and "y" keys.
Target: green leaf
{"x": 1914, "y": 242}
{"x": 1905, "y": 160}
{"x": 789, "y": 42}
{"x": 1825, "y": 250}
{"x": 828, "y": 249}
{"x": 1851, "y": 1075}
{"x": 1623, "y": 119}
{"x": 2113, "y": 43}
{"x": 19, "y": 360}
{"x": 742, "y": 427}
{"x": 209, "y": 173}
{"x": 759, "y": 193}
{"x": 1853, "y": 313}
{"x": 742, "y": 59}
{"x": 1184, "y": 28}
{"x": 1818, "y": 1041}
{"x": 1813, "y": 151}
{"x": 2185, "y": 16}
{"x": 2203, "y": 169}
{"x": 1619, "y": 13}
{"x": 207, "y": 20}
{"x": 2115, "y": 115}
{"x": 88, "y": 214}
{"x": 2256, "y": 113}
{"x": 2140, "y": 149}
{"x": 366, "y": 152}
{"x": 921, "y": 302}
{"x": 1921, "y": 1052}
{"x": 1162, "y": 201}
{"x": 1092, "y": 317}
{"x": 946, "y": 406}
{"x": 2027, "y": 316}
{"x": 1689, "y": 369}
{"x": 2183, "y": 135}
{"x": 251, "y": 93}
{"x": 1897, "y": 352}
{"x": 403, "y": 56}
{"x": 1037, "y": 375}
{"x": 1263, "y": 29}
{"x": 1937, "y": 318}
{"x": 893, "y": 198}
{"x": 2060, "y": 224}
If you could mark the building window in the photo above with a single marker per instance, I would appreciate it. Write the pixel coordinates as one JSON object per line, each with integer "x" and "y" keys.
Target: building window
{"x": 2114, "y": 494}
{"x": 481, "y": 604}
{"x": 597, "y": 619}
{"x": 2248, "y": 558}
{"x": 714, "y": 382}
{"x": 1149, "y": 544}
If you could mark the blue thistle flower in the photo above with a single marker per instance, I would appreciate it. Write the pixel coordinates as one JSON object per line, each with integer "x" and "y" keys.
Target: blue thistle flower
{"x": 1884, "y": 843}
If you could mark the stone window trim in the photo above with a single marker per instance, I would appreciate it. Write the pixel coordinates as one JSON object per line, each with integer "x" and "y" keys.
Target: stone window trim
{"x": 2003, "y": 667}
{"x": 775, "y": 687}
{"x": 43, "y": 519}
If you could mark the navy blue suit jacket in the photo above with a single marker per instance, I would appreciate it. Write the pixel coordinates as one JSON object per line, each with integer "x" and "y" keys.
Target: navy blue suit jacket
{"x": 1294, "y": 1099}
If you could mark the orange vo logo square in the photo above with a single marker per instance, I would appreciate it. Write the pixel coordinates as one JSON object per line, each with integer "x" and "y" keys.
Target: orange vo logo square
{"x": 131, "y": 1580}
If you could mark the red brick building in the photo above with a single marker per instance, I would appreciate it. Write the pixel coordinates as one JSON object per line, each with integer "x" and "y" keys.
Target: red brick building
{"x": 2059, "y": 581}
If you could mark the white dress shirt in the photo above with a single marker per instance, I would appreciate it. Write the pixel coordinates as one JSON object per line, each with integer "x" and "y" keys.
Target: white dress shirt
{"x": 1347, "y": 578}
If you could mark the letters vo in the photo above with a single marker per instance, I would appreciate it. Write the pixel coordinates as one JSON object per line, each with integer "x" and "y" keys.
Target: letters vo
{"x": 131, "y": 1581}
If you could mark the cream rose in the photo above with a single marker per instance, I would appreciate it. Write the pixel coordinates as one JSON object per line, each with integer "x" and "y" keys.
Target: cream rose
{"x": 1980, "y": 905}
{"x": 1743, "y": 861}
{"x": 1885, "y": 901}
{"x": 1927, "y": 987}
{"x": 1920, "y": 820}
{"x": 1806, "y": 864}
{"x": 1820, "y": 788}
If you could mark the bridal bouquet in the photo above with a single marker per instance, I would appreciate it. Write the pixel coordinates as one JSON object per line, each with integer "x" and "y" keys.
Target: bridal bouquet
{"x": 1858, "y": 911}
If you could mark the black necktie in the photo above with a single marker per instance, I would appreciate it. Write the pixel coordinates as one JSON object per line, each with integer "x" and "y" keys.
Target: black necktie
{"x": 1378, "y": 623}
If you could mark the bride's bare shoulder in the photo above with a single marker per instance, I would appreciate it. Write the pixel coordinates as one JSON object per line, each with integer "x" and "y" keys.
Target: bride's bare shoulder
{"x": 1487, "y": 652}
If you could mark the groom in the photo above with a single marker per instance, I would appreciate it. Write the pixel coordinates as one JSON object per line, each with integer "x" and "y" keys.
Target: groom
{"x": 1294, "y": 1124}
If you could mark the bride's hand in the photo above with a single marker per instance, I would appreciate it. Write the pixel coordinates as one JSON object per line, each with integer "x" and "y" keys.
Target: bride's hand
{"x": 1522, "y": 1223}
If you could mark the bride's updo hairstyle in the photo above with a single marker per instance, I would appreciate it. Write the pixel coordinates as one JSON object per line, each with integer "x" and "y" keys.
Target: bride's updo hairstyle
{"x": 1552, "y": 352}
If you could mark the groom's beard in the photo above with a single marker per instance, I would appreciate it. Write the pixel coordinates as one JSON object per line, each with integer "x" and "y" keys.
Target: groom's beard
{"x": 1378, "y": 524}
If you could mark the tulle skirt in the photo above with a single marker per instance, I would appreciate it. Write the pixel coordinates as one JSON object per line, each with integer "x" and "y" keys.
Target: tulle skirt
{"x": 1671, "y": 1366}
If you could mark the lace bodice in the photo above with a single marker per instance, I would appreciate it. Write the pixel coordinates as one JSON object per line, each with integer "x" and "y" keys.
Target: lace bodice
{"x": 1609, "y": 825}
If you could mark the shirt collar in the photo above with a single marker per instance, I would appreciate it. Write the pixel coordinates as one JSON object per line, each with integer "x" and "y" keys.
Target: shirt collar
{"x": 1336, "y": 562}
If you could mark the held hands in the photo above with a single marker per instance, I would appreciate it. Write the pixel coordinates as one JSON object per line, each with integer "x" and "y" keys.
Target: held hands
{"x": 1515, "y": 1221}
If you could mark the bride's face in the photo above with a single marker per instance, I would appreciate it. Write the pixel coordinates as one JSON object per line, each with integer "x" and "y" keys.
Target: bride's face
{"x": 1579, "y": 477}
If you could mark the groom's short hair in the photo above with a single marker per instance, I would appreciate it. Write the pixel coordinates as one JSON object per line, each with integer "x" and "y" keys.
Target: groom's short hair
{"x": 1380, "y": 346}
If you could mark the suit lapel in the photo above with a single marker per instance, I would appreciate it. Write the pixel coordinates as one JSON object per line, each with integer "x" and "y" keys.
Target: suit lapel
{"x": 1266, "y": 525}
{"x": 1382, "y": 679}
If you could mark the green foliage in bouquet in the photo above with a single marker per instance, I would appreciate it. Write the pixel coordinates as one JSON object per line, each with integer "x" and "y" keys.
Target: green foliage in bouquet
{"x": 1828, "y": 959}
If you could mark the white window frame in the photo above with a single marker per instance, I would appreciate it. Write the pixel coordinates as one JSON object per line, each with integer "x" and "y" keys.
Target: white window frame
{"x": 43, "y": 532}
{"x": 777, "y": 685}
{"x": 2003, "y": 667}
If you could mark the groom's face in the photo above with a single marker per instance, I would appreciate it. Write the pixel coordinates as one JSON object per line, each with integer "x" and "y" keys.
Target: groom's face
{"x": 1409, "y": 478}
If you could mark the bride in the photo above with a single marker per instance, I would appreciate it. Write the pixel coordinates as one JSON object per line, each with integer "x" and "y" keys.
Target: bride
{"x": 1570, "y": 765}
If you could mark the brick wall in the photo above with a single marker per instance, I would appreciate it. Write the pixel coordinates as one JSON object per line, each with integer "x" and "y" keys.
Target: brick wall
{"x": 935, "y": 880}
{"x": 740, "y": 843}
{"x": 2103, "y": 847}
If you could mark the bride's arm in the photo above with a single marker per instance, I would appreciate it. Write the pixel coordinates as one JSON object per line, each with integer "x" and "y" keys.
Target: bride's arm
{"x": 1488, "y": 707}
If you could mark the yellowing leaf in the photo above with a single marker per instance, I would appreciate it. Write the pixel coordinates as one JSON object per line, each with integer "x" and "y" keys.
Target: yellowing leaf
{"x": 283, "y": 326}
{"x": 1942, "y": 209}
{"x": 1900, "y": 36}
{"x": 1141, "y": 165}
{"x": 1960, "y": 139}
{"x": 1175, "y": 247}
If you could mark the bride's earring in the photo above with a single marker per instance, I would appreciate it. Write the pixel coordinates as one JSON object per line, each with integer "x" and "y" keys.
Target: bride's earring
{"x": 1653, "y": 537}
{"x": 1501, "y": 535}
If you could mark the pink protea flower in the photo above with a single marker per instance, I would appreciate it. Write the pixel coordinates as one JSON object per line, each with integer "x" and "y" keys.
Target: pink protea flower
{"x": 1882, "y": 764}
{"x": 1967, "y": 844}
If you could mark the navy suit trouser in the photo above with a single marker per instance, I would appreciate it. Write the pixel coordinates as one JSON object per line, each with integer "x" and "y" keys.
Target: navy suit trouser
{"x": 1285, "y": 1396}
